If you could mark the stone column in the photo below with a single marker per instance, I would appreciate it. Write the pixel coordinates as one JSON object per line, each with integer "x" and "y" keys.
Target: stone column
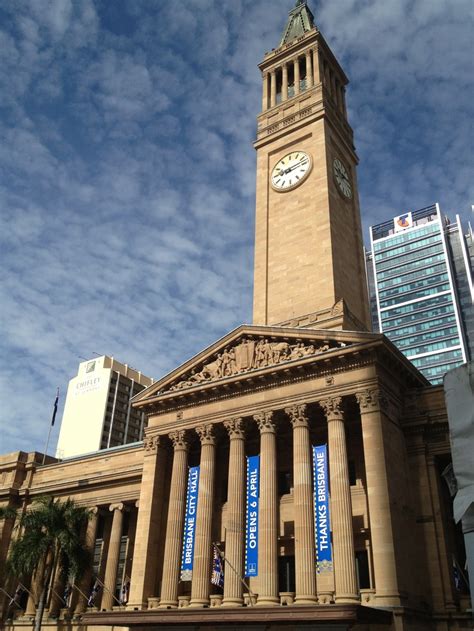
{"x": 268, "y": 518}
{"x": 284, "y": 82}
{"x": 335, "y": 94}
{"x": 309, "y": 70}
{"x": 341, "y": 507}
{"x": 57, "y": 591}
{"x": 265, "y": 92}
{"x": 316, "y": 67}
{"x": 175, "y": 523}
{"x": 149, "y": 523}
{"x": 35, "y": 589}
{"x": 297, "y": 75}
{"x": 235, "y": 532}
{"x": 305, "y": 553}
{"x": 85, "y": 583}
{"x": 111, "y": 566}
{"x": 344, "y": 104}
{"x": 6, "y": 538}
{"x": 273, "y": 89}
{"x": 378, "y": 496}
{"x": 201, "y": 584}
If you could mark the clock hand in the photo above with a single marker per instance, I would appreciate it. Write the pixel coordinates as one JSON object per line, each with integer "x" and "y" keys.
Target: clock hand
{"x": 294, "y": 167}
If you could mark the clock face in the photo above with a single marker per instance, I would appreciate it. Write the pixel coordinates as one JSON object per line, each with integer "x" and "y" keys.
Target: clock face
{"x": 291, "y": 171}
{"x": 342, "y": 178}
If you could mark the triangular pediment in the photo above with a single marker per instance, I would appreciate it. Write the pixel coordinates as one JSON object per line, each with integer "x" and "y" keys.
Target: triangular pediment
{"x": 250, "y": 350}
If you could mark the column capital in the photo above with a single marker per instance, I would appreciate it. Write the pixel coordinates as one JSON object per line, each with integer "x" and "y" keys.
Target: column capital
{"x": 235, "y": 428}
{"x": 298, "y": 415}
{"x": 332, "y": 408}
{"x": 265, "y": 422}
{"x": 152, "y": 443}
{"x": 113, "y": 507}
{"x": 93, "y": 511}
{"x": 207, "y": 434}
{"x": 372, "y": 400}
{"x": 180, "y": 440}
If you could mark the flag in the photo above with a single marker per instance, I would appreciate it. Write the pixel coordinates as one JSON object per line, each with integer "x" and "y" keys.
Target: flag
{"x": 95, "y": 590}
{"x": 457, "y": 577}
{"x": 67, "y": 595}
{"x": 20, "y": 590}
{"x": 55, "y": 407}
{"x": 217, "y": 569}
{"x": 125, "y": 592}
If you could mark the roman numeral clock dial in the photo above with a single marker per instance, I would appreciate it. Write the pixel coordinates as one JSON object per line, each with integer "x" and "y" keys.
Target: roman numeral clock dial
{"x": 291, "y": 171}
{"x": 342, "y": 178}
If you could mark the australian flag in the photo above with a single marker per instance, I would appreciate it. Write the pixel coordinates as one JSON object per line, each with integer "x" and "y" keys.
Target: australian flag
{"x": 15, "y": 600}
{"x": 125, "y": 592}
{"x": 67, "y": 595}
{"x": 93, "y": 595}
{"x": 217, "y": 569}
{"x": 55, "y": 408}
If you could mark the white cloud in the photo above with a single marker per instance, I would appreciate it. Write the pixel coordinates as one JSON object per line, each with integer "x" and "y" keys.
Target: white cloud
{"x": 128, "y": 170}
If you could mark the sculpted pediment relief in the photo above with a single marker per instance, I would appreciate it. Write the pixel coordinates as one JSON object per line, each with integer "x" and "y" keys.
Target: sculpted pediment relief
{"x": 249, "y": 354}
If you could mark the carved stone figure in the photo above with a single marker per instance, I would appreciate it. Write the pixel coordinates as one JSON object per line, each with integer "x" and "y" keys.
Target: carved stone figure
{"x": 250, "y": 355}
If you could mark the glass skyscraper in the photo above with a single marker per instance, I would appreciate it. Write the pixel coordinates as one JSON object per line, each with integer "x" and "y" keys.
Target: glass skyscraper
{"x": 420, "y": 282}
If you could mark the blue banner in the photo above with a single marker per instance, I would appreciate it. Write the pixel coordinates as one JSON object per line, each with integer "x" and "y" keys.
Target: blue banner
{"x": 190, "y": 524}
{"x": 251, "y": 529}
{"x": 322, "y": 525}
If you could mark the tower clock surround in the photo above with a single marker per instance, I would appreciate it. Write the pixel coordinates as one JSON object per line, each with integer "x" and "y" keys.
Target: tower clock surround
{"x": 308, "y": 236}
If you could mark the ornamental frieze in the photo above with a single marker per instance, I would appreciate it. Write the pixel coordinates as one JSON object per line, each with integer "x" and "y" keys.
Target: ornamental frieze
{"x": 251, "y": 354}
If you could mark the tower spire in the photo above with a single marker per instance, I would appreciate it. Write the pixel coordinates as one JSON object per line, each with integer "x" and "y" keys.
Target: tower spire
{"x": 300, "y": 21}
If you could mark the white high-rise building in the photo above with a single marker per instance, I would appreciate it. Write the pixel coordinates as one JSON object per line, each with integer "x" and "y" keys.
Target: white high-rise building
{"x": 98, "y": 412}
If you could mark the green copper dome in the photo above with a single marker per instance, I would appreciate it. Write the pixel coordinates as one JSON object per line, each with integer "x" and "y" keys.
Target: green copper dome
{"x": 300, "y": 21}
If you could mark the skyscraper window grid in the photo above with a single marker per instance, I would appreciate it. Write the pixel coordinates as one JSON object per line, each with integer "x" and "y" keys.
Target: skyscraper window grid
{"x": 417, "y": 305}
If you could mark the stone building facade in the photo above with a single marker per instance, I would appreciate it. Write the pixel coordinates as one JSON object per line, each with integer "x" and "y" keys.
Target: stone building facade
{"x": 306, "y": 372}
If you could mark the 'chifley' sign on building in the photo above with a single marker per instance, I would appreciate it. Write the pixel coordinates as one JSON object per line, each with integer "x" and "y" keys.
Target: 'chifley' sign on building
{"x": 87, "y": 385}
{"x": 322, "y": 525}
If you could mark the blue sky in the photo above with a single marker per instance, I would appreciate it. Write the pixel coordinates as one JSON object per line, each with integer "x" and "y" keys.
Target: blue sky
{"x": 127, "y": 173}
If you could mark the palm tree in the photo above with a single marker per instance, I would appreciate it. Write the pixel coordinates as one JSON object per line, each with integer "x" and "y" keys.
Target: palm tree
{"x": 50, "y": 535}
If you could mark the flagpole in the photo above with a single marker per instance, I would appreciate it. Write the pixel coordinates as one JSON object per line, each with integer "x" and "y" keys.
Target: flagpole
{"x": 55, "y": 409}
{"x": 74, "y": 586}
{"x": 241, "y": 578}
{"x": 12, "y": 599}
{"x": 108, "y": 590}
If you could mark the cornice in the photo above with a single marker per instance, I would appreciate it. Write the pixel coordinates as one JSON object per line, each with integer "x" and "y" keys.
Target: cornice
{"x": 249, "y": 411}
{"x": 265, "y": 379}
{"x": 91, "y": 483}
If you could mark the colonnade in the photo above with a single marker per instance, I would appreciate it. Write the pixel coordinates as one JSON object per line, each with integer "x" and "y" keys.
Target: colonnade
{"x": 310, "y": 66}
{"x": 346, "y": 586}
{"x": 155, "y": 525}
{"x": 78, "y": 601}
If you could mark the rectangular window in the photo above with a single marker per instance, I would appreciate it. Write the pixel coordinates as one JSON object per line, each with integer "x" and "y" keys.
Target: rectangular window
{"x": 286, "y": 574}
{"x": 429, "y": 291}
{"x": 362, "y": 566}
{"x": 417, "y": 255}
{"x": 285, "y": 482}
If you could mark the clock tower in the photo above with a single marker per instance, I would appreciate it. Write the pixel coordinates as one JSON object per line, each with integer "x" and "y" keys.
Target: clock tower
{"x": 309, "y": 261}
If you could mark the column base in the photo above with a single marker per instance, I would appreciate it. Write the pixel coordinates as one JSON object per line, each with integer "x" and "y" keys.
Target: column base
{"x": 136, "y": 606}
{"x": 199, "y": 603}
{"x": 267, "y": 601}
{"x": 232, "y": 602}
{"x": 309, "y": 599}
{"x": 389, "y": 600}
{"x": 168, "y": 604}
{"x": 347, "y": 599}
